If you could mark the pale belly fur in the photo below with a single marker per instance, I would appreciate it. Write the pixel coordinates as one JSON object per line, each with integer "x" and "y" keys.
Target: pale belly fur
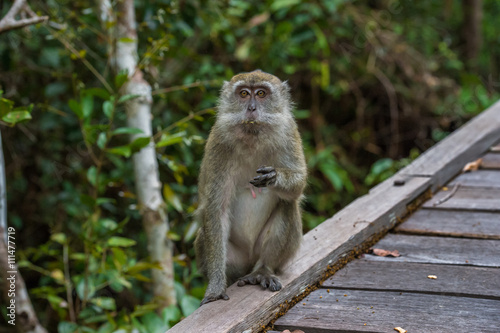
{"x": 250, "y": 212}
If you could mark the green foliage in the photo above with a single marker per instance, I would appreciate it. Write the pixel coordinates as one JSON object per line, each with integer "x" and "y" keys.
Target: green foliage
{"x": 11, "y": 115}
{"x": 70, "y": 179}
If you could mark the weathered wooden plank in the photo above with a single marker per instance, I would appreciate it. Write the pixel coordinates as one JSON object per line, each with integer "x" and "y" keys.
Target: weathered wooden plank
{"x": 448, "y": 157}
{"x": 250, "y": 307}
{"x": 479, "y": 178}
{"x": 491, "y": 161}
{"x": 456, "y": 223}
{"x": 440, "y": 250}
{"x": 467, "y": 198}
{"x": 379, "y": 311}
{"x": 457, "y": 280}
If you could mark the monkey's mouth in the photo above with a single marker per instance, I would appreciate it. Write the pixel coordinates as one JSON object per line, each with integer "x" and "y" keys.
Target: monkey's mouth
{"x": 250, "y": 122}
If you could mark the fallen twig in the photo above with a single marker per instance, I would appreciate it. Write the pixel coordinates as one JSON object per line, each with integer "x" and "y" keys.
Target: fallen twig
{"x": 447, "y": 197}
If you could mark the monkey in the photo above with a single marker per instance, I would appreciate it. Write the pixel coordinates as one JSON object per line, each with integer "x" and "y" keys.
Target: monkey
{"x": 251, "y": 182}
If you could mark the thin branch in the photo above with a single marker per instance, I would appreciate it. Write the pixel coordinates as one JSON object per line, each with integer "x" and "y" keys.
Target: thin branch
{"x": 448, "y": 196}
{"x": 28, "y": 17}
{"x": 181, "y": 121}
{"x": 186, "y": 86}
{"x": 85, "y": 61}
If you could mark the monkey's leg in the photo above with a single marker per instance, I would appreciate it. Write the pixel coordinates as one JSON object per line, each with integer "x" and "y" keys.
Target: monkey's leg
{"x": 213, "y": 243}
{"x": 280, "y": 240}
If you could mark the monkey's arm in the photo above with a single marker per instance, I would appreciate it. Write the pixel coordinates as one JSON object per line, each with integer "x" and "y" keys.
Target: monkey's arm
{"x": 215, "y": 195}
{"x": 289, "y": 179}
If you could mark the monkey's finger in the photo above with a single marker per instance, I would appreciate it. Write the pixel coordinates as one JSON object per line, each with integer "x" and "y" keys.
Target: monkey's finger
{"x": 258, "y": 182}
{"x": 274, "y": 285}
{"x": 213, "y": 298}
{"x": 265, "y": 169}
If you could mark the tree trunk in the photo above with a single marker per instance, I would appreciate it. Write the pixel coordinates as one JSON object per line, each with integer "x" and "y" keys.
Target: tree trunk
{"x": 471, "y": 30}
{"x": 12, "y": 283}
{"x": 3, "y": 194}
{"x": 147, "y": 180}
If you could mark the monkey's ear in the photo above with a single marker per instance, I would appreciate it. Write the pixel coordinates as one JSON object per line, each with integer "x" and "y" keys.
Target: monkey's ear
{"x": 225, "y": 85}
{"x": 285, "y": 87}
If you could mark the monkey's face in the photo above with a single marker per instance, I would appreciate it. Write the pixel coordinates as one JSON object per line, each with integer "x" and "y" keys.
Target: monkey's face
{"x": 253, "y": 102}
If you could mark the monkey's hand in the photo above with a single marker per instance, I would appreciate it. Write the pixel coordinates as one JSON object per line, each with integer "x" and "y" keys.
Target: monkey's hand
{"x": 267, "y": 177}
{"x": 214, "y": 297}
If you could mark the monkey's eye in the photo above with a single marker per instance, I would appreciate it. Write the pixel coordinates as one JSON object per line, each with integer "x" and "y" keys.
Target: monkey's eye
{"x": 243, "y": 93}
{"x": 261, "y": 93}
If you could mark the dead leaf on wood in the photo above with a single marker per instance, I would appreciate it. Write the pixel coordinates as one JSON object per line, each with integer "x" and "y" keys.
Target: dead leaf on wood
{"x": 472, "y": 166}
{"x": 400, "y": 329}
{"x": 433, "y": 277}
{"x": 384, "y": 253}
{"x": 495, "y": 148}
{"x": 296, "y": 331}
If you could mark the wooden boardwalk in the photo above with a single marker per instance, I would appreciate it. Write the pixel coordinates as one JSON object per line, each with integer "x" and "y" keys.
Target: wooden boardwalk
{"x": 457, "y": 240}
{"x": 447, "y": 278}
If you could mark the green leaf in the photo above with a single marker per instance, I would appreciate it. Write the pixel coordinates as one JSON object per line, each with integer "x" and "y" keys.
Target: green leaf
{"x": 92, "y": 175}
{"x": 142, "y": 266}
{"x": 76, "y": 108}
{"x": 119, "y": 258}
{"x": 87, "y": 200}
{"x": 126, "y": 130}
{"x": 66, "y": 327}
{"x": 141, "y": 310}
{"x": 127, "y": 97}
{"x": 302, "y": 114}
{"x": 280, "y": 4}
{"x": 121, "y": 150}
{"x": 139, "y": 143}
{"x": 80, "y": 288}
{"x": 108, "y": 224}
{"x": 154, "y": 323}
{"x": 99, "y": 92}
{"x": 171, "y": 314}
{"x": 15, "y": 117}
{"x": 59, "y": 238}
{"x": 101, "y": 201}
{"x": 126, "y": 40}
{"x": 121, "y": 241}
{"x": 107, "y": 108}
{"x": 104, "y": 302}
{"x": 101, "y": 140}
{"x": 121, "y": 78}
{"x": 167, "y": 140}
{"x": 171, "y": 198}
{"x": 189, "y": 304}
{"x": 5, "y": 106}
{"x": 87, "y": 106}
{"x": 173, "y": 236}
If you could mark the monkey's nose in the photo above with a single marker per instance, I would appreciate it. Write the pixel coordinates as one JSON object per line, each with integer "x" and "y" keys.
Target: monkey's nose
{"x": 252, "y": 107}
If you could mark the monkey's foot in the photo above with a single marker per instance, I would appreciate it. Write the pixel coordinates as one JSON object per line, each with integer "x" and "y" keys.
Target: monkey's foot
{"x": 265, "y": 280}
{"x": 214, "y": 297}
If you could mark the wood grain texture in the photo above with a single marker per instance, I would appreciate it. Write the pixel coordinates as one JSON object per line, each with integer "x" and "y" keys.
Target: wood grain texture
{"x": 491, "y": 161}
{"x": 381, "y": 311}
{"x": 455, "y": 223}
{"x": 479, "y": 178}
{"x": 249, "y": 308}
{"x": 440, "y": 250}
{"x": 449, "y": 156}
{"x": 468, "y": 198}
{"x": 452, "y": 280}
